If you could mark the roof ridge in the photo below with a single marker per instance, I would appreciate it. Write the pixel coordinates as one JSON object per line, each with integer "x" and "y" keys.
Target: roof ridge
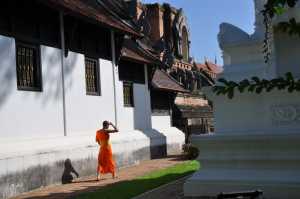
{"x": 113, "y": 14}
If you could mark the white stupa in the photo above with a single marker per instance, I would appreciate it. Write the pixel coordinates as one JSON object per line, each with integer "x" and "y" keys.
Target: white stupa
{"x": 256, "y": 144}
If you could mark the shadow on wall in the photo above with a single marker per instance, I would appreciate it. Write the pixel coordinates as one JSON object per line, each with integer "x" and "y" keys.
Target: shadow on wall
{"x": 7, "y": 69}
{"x": 158, "y": 141}
{"x": 43, "y": 175}
{"x": 67, "y": 176}
{"x": 158, "y": 144}
{"x": 51, "y": 66}
{"x": 52, "y": 79}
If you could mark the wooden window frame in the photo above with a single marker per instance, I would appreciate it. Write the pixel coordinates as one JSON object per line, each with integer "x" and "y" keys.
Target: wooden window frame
{"x": 37, "y": 66}
{"x": 98, "y": 84}
{"x": 130, "y": 85}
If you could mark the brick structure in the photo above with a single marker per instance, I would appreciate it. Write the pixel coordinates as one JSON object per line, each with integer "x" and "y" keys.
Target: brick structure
{"x": 166, "y": 30}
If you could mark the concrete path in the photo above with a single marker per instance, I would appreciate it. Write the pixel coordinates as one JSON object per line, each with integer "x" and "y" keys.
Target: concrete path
{"x": 88, "y": 184}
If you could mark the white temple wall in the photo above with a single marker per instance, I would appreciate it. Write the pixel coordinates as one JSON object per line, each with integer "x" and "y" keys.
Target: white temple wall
{"x": 142, "y": 109}
{"x": 85, "y": 113}
{"x": 263, "y": 113}
{"x": 27, "y": 114}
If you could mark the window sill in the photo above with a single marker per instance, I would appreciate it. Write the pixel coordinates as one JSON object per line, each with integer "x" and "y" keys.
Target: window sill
{"x": 93, "y": 94}
{"x": 128, "y": 106}
{"x": 32, "y": 89}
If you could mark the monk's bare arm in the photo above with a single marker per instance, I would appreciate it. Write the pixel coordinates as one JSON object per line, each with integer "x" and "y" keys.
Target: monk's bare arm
{"x": 115, "y": 130}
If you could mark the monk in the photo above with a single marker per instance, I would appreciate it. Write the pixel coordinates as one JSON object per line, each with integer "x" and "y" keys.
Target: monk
{"x": 106, "y": 163}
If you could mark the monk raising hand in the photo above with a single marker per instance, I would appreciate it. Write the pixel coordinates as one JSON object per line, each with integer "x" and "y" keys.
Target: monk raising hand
{"x": 106, "y": 163}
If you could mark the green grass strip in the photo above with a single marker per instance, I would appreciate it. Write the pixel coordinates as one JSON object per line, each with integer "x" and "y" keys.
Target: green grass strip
{"x": 132, "y": 188}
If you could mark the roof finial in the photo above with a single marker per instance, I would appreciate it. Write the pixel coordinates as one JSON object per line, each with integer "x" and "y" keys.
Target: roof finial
{"x": 216, "y": 61}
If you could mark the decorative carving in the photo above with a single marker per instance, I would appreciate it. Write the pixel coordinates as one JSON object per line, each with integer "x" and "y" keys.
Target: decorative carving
{"x": 285, "y": 114}
{"x": 230, "y": 35}
{"x": 180, "y": 24}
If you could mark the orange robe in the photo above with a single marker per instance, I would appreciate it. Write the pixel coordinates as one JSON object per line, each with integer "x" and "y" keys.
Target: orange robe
{"x": 106, "y": 163}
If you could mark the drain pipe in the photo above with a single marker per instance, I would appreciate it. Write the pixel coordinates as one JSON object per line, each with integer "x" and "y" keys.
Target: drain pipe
{"x": 147, "y": 99}
{"x": 113, "y": 53}
{"x": 62, "y": 38}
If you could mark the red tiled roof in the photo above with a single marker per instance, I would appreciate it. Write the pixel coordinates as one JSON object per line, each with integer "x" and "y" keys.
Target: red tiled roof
{"x": 91, "y": 9}
{"x": 209, "y": 66}
{"x": 202, "y": 66}
{"x": 162, "y": 81}
{"x": 214, "y": 67}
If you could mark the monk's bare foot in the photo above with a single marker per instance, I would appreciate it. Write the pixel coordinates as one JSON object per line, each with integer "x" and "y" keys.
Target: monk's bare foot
{"x": 98, "y": 177}
{"x": 114, "y": 176}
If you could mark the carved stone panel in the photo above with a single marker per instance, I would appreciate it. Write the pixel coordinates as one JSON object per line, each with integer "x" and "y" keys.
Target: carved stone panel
{"x": 285, "y": 114}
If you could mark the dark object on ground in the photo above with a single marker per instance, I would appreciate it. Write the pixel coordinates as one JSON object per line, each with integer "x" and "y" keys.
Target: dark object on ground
{"x": 67, "y": 174}
{"x": 191, "y": 152}
{"x": 247, "y": 194}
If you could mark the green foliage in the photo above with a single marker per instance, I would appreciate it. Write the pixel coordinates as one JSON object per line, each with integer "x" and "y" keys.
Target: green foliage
{"x": 257, "y": 85}
{"x": 292, "y": 27}
{"x": 132, "y": 188}
{"x": 277, "y": 7}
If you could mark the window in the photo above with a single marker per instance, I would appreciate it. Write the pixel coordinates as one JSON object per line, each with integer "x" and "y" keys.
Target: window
{"x": 28, "y": 67}
{"x": 132, "y": 72}
{"x": 161, "y": 102}
{"x": 93, "y": 43}
{"x": 128, "y": 94}
{"x": 185, "y": 45}
{"x": 92, "y": 77}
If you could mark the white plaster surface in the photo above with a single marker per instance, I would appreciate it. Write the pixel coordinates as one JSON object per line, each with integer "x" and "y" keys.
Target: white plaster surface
{"x": 29, "y": 153}
{"x": 85, "y": 113}
{"x": 162, "y": 124}
{"x": 263, "y": 113}
{"x": 287, "y": 60}
{"x": 246, "y": 162}
{"x": 29, "y": 114}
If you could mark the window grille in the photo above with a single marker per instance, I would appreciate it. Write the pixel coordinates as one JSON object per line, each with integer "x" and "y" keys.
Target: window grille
{"x": 28, "y": 67}
{"x": 92, "y": 77}
{"x": 128, "y": 94}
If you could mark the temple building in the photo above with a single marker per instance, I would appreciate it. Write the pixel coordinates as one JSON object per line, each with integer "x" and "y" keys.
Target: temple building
{"x": 166, "y": 32}
{"x": 66, "y": 66}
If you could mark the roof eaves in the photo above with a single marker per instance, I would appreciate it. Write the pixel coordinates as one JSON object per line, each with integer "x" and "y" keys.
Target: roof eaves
{"x": 177, "y": 88}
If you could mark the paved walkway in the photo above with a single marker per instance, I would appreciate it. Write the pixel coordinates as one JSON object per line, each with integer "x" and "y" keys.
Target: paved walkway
{"x": 87, "y": 184}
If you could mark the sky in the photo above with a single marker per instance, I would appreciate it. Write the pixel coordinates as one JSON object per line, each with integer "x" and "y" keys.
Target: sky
{"x": 204, "y": 19}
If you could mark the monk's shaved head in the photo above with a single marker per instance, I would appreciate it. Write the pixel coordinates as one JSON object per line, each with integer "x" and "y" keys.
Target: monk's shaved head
{"x": 105, "y": 124}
